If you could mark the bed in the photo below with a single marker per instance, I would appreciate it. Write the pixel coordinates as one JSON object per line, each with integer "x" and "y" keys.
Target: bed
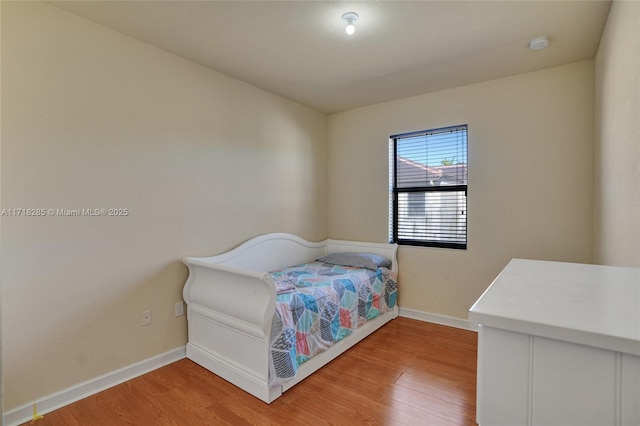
{"x": 245, "y": 320}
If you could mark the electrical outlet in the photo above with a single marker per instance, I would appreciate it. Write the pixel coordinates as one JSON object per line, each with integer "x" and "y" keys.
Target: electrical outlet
{"x": 146, "y": 318}
{"x": 179, "y": 309}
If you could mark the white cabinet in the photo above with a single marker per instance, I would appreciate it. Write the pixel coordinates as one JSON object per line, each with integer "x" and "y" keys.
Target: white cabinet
{"x": 559, "y": 344}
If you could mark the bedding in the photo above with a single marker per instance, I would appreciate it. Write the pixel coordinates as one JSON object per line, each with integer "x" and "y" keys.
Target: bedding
{"x": 321, "y": 302}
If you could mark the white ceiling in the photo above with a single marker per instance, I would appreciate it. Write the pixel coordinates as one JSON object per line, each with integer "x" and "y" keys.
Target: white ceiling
{"x": 299, "y": 49}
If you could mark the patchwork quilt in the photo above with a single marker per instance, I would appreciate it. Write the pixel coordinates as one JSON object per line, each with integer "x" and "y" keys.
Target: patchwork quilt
{"x": 317, "y": 305}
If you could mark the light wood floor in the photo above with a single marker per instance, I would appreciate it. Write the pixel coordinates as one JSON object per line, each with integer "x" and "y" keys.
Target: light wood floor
{"x": 407, "y": 373}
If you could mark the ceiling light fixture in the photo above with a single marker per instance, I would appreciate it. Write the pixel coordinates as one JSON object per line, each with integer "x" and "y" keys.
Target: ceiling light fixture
{"x": 539, "y": 43}
{"x": 350, "y": 18}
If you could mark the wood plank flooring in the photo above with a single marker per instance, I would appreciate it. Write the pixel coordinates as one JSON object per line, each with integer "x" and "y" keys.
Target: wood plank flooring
{"x": 407, "y": 373}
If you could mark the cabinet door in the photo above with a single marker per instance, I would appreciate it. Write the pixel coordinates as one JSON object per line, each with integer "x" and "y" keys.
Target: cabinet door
{"x": 503, "y": 377}
{"x": 630, "y": 401}
{"x": 573, "y": 384}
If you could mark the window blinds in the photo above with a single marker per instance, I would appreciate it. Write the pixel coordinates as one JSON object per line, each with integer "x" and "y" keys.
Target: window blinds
{"x": 429, "y": 187}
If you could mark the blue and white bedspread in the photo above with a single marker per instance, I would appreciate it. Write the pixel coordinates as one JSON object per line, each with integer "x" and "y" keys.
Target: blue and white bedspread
{"x": 317, "y": 305}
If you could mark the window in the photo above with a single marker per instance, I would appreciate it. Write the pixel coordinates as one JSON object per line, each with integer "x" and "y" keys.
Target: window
{"x": 428, "y": 194}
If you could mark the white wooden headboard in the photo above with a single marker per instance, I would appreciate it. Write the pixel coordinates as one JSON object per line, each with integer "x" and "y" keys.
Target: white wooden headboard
{"x": 279, "y": 250}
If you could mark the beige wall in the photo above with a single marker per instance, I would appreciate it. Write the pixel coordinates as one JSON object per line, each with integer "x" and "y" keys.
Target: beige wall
{"x": 617, "y": 139}
{"x": 530, "y": 179}
{"x": 94, "y": 119}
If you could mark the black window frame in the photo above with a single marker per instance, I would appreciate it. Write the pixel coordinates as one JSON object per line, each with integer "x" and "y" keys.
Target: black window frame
{"x": 426, "y": 189}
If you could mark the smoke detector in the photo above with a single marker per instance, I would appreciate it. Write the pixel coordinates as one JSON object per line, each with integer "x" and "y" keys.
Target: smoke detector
{"x": 539, "y": 43}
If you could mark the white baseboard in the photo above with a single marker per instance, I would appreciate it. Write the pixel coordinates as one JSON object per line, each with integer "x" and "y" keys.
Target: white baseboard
{"x": 438, "y": 319}
{"x": 90, "y": 387}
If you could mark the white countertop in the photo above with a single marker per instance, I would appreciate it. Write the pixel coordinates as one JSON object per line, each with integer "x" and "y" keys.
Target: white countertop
{"x": 586, "y": 304}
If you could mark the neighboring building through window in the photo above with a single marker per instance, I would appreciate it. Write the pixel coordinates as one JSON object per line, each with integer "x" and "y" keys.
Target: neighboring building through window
{"x": 428, "y": 194}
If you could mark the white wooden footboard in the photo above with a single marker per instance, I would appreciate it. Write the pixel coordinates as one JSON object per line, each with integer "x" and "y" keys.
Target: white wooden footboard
{"x": 231, "y": 302}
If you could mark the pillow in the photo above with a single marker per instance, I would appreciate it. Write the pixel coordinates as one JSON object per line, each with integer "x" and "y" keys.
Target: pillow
{"x": 357, "y": 260}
